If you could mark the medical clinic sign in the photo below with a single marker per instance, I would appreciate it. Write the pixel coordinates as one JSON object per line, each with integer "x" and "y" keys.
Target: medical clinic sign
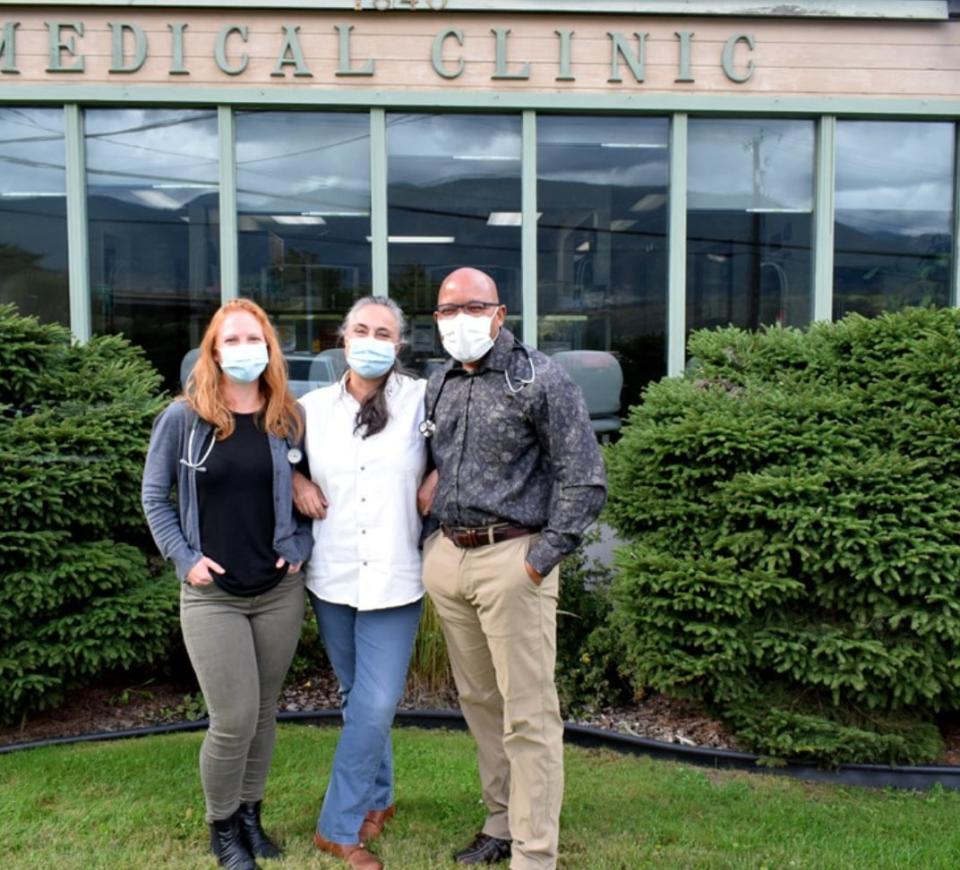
{"x": 390, "y": 49}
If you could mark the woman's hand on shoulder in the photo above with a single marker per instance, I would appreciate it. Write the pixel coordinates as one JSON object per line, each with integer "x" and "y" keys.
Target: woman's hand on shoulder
{"x": 199, "y": 574}
{"x": 308, "y": 497}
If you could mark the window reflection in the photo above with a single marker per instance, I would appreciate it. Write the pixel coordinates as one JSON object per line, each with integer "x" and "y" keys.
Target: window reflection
{"x": 749, "y": 222}
{"x": 152, "y": 200}
{"x": 454, "y": 200}
{"x": 893, "y": 230}
{"x": 602, "y": 259}
{"x": 303, "y": 200}
{"x": 33, "y": 220}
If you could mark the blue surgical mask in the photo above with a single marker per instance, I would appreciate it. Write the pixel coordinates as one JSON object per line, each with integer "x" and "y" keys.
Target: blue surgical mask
{"x": 243, "y": 363}
{"x": 371, "y": 357}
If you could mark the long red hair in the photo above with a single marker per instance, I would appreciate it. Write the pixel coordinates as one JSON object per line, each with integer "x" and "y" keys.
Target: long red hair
{"x": 280, "y": 414}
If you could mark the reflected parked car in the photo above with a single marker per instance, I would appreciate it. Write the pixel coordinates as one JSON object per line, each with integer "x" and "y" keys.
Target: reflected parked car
{"x": 306, "y": 371}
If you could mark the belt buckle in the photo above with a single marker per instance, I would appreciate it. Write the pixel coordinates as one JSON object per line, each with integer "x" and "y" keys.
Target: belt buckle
{"x": 462, "y": 537}
{"x": 475, "y": 536}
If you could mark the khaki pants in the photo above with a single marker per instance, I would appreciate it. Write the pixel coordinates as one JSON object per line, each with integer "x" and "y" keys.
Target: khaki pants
{"x": 500, "y": 629}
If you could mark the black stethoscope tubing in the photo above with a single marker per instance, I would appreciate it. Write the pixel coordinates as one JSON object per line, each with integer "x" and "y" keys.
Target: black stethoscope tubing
{"x": 428, "y": 427}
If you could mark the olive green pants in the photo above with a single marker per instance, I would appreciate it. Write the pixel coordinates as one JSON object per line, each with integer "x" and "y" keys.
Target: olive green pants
{"x": 240, "y": 649}
{"x": 501, "y": 633}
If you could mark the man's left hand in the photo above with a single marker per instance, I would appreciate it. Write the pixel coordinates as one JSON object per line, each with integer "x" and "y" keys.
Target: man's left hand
{"x": 533, "y": 573}
{"x": 427, "y": 491}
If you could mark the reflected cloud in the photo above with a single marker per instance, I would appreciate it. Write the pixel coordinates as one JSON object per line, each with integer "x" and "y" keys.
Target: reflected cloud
{"x": 31, "y": 152}
{"x": 299, "y": 162}
{"x": 426, "y": 150}
{"x": 152, "y": 143}
{"x": 738, "y": 164}
{"x": 890, "y": 165}
{"x": 603, "y": 152}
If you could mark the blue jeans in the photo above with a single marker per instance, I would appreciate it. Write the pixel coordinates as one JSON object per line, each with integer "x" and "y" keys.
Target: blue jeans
{"x": 370, "y": 651}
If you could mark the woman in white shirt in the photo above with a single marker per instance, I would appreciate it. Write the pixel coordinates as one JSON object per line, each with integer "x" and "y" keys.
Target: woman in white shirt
{"x": 367, "y": 459}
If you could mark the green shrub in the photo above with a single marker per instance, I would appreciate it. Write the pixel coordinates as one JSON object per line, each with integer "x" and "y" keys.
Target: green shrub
{"x": 792, "y": 507}
{"x": 77, "y": 595}
{"x": 587, "y": 673}
{"x": 588, "y": 665}
{"x": 310, "y": 657}
{"x": 429, "y": 665}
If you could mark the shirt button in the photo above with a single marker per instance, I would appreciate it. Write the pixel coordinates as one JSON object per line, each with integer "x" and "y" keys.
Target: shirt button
{"x": 363, "y": 498}
{"x": 362, "y": 467}
{"x": 364, "y": 564}
{"x": 363, "y": 531}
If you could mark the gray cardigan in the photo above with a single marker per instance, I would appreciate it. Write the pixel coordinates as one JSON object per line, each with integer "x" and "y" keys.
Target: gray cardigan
{"x": 176, "y": 530}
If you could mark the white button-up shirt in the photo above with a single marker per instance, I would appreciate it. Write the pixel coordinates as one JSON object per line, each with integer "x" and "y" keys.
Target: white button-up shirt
{"x": 365, "y": 551}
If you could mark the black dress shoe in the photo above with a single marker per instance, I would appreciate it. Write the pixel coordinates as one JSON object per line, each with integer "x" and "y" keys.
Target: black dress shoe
{"x": 226, "y": 842}
{"x": 254, "y": 836}
{"x": 484, "y": 850}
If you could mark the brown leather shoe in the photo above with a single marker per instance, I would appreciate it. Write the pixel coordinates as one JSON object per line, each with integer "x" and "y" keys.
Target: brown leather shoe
{"x": 374, "y": 822}
{"x": 354, "y": 853}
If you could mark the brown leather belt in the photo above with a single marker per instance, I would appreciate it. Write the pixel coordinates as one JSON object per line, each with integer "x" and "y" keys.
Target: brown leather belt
{"x": 483, "y": 535}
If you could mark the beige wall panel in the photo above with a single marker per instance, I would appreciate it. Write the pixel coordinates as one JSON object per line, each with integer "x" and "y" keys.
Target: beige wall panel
{"x": 818, "y": 58}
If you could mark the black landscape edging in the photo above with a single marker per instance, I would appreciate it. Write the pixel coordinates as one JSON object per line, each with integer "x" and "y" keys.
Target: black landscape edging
{"x": 870, "y": 775}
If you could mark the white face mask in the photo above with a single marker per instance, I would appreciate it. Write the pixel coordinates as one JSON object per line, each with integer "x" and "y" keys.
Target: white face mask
{"x": 466, "y": 338}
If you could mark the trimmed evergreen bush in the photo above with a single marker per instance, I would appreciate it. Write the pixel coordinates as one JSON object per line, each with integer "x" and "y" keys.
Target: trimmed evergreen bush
{"x": 77, "y": 595}
{"x": 588, "y": 665}
{"x": 792, "y": 507}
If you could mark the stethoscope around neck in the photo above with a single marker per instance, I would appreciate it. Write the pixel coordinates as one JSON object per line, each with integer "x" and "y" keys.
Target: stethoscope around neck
{"x": 199, "y": 464}
{"x": 294, "y": 454}
{"x": 428, "y": 427}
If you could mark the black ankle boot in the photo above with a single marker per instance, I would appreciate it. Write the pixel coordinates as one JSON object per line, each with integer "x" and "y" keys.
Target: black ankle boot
{"x": 254, "y": 836}
{"x": 226, "y": 842}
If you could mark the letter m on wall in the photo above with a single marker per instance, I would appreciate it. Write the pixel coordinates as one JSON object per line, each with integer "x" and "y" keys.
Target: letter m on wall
{"x": 8, "y": 47}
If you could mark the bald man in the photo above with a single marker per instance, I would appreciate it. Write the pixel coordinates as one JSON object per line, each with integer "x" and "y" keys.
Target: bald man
{"x": 519, "y": 479}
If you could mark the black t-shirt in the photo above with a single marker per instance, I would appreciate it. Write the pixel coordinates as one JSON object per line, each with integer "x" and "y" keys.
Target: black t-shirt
{"x": 235, "y": 496}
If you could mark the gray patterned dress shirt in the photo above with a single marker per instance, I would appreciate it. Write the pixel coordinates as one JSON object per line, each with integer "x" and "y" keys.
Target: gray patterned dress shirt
{"x": 528, "y": 458}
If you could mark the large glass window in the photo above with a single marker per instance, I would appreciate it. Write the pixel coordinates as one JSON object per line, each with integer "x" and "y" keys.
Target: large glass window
{"x": 602, "y": 267}
{"x": 454, "y": 200}
{"x": 303, "y": 201}
{"x": 749, "y": 222}
{"x": 894, "y": 215}
{"x": 33, "y": 218}
{"x": 153, "y": 211}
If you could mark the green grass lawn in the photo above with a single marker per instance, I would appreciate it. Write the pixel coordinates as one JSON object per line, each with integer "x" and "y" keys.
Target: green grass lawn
{"x": 137, "y": 804}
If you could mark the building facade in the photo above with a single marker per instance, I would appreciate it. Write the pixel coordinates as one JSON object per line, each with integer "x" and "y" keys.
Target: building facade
{"x": 627, "y": 171}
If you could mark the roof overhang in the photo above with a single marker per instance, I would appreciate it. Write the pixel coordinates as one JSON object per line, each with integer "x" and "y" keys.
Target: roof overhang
{"x": 900, "y": 10}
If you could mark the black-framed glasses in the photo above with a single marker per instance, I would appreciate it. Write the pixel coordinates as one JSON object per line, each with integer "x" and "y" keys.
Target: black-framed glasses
{"x": 475, "y": 308}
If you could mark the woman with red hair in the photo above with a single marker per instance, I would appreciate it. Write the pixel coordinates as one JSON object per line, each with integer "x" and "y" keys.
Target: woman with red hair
{"x": 228, "y": 446}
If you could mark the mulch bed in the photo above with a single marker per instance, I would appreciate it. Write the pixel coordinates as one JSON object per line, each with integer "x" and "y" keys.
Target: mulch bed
{"x": 120, "y": 705}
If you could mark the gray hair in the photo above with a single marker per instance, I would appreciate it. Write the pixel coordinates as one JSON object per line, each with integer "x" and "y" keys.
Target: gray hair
{"x": 384, "y": 301}
{"x": 373, "y": 415}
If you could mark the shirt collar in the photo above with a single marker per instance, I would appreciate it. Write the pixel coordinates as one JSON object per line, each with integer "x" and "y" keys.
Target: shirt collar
{"x": 393, "y": 387}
